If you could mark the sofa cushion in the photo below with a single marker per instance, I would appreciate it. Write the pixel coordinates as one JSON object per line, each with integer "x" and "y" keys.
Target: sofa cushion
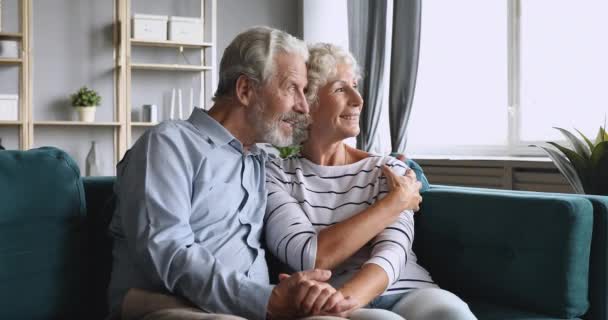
{"x": 519, "y": 249}
{"x": 41, "y": 235}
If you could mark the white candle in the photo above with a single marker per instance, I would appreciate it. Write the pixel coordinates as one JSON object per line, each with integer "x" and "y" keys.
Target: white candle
{"x": 191, "y": 99}
{"x": 172, "y": 110}
{"x": 180, "y": 106}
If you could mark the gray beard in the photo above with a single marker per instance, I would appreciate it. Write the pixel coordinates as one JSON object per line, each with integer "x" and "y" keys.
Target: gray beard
{"x": 269, "y": 131}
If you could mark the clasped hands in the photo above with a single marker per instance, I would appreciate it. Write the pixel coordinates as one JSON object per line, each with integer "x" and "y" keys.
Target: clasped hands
{"x": 305, "y": 294}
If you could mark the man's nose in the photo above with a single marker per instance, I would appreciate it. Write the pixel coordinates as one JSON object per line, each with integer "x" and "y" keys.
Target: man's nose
{"x": 302, "y": 105}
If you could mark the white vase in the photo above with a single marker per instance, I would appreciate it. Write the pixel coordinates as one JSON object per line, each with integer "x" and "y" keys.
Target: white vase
{"x": 86, "y": 114}
{"x": 92, "y": 164}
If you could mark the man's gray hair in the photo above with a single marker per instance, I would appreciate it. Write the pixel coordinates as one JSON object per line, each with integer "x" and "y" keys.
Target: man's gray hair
{"x": 252, "y": 53}
{"x": 323, "y": 65}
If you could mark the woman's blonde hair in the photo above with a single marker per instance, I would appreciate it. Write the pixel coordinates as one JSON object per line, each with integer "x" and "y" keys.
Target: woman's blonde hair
{"x": 323, "y": 65}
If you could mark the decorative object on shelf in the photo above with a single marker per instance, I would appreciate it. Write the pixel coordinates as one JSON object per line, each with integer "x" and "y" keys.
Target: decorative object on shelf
{"x": 149, "y": 27}
{"x": 1, "y": 146}
{"x": 191, "y": 102}
{"x": 585, "y": 167}
{"x": 172, "y": 109}
{"x": 185, "y": 29}
{"x": 9, "y": 107}
{"x": 85, "y": 101}
{"x": 9, "y": 49}
{"x": 180, "y": 107}
{"x": 149, "y": 113}
{"x": 92, "y": 163}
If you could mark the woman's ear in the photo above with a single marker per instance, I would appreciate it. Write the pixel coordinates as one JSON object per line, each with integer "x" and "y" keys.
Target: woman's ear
{"x": 245, "y": 90}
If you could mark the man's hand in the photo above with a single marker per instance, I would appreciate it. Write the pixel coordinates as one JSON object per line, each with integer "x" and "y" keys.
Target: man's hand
{"x": 305, "y": 293}
{"x": 404, "y": 191}
{"x": 400, "y": 156}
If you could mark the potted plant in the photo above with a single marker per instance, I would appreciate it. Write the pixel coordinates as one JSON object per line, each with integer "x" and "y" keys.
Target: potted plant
{"x": 85, "y": 101}
{"x": 286, "y": 152}
{"x": 586, "y": 165}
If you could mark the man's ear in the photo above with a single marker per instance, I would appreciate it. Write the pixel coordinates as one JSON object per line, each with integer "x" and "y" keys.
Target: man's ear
{"x": 245, "y": 90}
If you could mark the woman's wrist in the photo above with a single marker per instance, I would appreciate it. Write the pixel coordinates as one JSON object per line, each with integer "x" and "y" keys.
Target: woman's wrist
{"x": 390, "y": 205}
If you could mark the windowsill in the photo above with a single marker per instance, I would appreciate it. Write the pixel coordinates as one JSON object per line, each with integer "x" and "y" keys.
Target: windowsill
{"x": 484, "y": 161}
{"x": 480, "y": 158}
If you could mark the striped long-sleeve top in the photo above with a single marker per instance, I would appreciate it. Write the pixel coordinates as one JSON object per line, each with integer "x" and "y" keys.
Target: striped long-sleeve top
{"x": 304, "y": 198}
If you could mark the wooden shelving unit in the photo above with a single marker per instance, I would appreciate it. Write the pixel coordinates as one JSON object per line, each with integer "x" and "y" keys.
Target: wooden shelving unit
{"x": 169, "y": 67}
{"x": 170, "y": 44}
{"x": 121, "y": 125}
{"x": 11, "y": 35}
{"x": 143, "y": 124}
{"x": 76, "y": 124}
{"x": 10, "y": 123}
{"x": 126, "y": 66}
{"x": 23, "y": 62}
{"x": 11, "y": 60}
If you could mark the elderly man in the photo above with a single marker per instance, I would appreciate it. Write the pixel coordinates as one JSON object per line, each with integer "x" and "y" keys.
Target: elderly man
{"x": 191, "y": 199}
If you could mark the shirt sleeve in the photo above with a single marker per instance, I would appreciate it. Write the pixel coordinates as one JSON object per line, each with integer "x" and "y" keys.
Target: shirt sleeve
{"x": 290, "y": 236}
{"x": 392, "y": 246}
{"x": 155, "y": 189}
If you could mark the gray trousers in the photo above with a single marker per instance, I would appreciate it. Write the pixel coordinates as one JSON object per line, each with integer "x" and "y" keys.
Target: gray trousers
{"x": 196, "y": 314}
{"x": 421, "y": 304}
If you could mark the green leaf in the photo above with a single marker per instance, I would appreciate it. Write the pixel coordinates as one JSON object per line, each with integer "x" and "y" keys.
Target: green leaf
{"x": 285, "y": 152}
{"x": 601, "y": 136}
{"x": 581, "y": 164}
{"x": 566, "y": 168}
{"x": 589, "y": 143}
{"x": 599, "y": 164}
{"x": 578, "y": 145}
{"x": 85, "y": 97}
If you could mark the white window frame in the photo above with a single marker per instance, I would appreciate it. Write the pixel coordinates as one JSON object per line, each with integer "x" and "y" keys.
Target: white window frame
{"x": 515, "y": 146}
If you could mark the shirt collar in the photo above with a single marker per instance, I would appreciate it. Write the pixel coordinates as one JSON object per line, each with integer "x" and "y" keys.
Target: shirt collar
{"x": 214, "y": 130}
{"x": 218, "y": 134}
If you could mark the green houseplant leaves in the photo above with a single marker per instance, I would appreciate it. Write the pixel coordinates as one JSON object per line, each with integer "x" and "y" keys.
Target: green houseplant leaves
{"x": 85, "y": 97}
{"x": 585, "y": 166}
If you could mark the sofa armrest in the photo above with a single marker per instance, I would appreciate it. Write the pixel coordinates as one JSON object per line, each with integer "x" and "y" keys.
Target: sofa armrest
{"x": 598, "y": 270}
{"x": 522, "y": 249}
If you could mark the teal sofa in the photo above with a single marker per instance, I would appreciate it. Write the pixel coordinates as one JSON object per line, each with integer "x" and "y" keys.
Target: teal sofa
{"x": 510, "y": 255}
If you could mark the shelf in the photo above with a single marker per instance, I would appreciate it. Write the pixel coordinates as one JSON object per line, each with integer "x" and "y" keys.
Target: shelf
{"x": 168, "y": 67}
{"x": 170, "y": 44}
{"x": 11, "y": 35}
{"x": 10, "y": 123}
{"x": 76, "y": 123}
{"x": 143, "y": 124}
{"x": 10, "y": 60}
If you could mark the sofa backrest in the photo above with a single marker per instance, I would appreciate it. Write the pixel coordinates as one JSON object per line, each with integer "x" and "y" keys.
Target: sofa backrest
{"x": 522, "y": 249}
{"x": 42, "y": 235}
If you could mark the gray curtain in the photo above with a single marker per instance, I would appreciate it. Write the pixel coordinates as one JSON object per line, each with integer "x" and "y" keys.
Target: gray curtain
{"x": 367, "y": 39}
{"x": 404, "y": 68}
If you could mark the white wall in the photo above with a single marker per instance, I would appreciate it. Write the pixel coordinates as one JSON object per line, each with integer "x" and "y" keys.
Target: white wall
{"x": 325, "y": 21}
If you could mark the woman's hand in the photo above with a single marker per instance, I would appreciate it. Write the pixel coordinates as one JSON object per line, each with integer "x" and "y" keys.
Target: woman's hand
{"x": 404, "y": 191}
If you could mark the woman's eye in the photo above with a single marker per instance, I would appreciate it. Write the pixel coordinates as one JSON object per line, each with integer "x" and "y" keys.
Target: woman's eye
{"x": 339, "y": 90}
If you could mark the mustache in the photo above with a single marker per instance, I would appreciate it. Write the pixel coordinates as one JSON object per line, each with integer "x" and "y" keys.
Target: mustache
{"x": 300, "y": 120}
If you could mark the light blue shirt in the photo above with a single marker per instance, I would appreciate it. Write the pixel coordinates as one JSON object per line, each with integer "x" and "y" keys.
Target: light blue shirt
{"x": 190, "y": 205}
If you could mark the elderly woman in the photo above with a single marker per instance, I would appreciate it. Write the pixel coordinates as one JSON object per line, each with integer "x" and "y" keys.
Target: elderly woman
{"x": 339, "y": 208}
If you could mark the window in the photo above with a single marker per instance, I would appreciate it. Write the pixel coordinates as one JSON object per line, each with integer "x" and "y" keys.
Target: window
{"x": 495, "y": 76}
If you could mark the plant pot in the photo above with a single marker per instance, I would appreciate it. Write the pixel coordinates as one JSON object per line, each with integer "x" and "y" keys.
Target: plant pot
{"x": 86, "y": 114}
